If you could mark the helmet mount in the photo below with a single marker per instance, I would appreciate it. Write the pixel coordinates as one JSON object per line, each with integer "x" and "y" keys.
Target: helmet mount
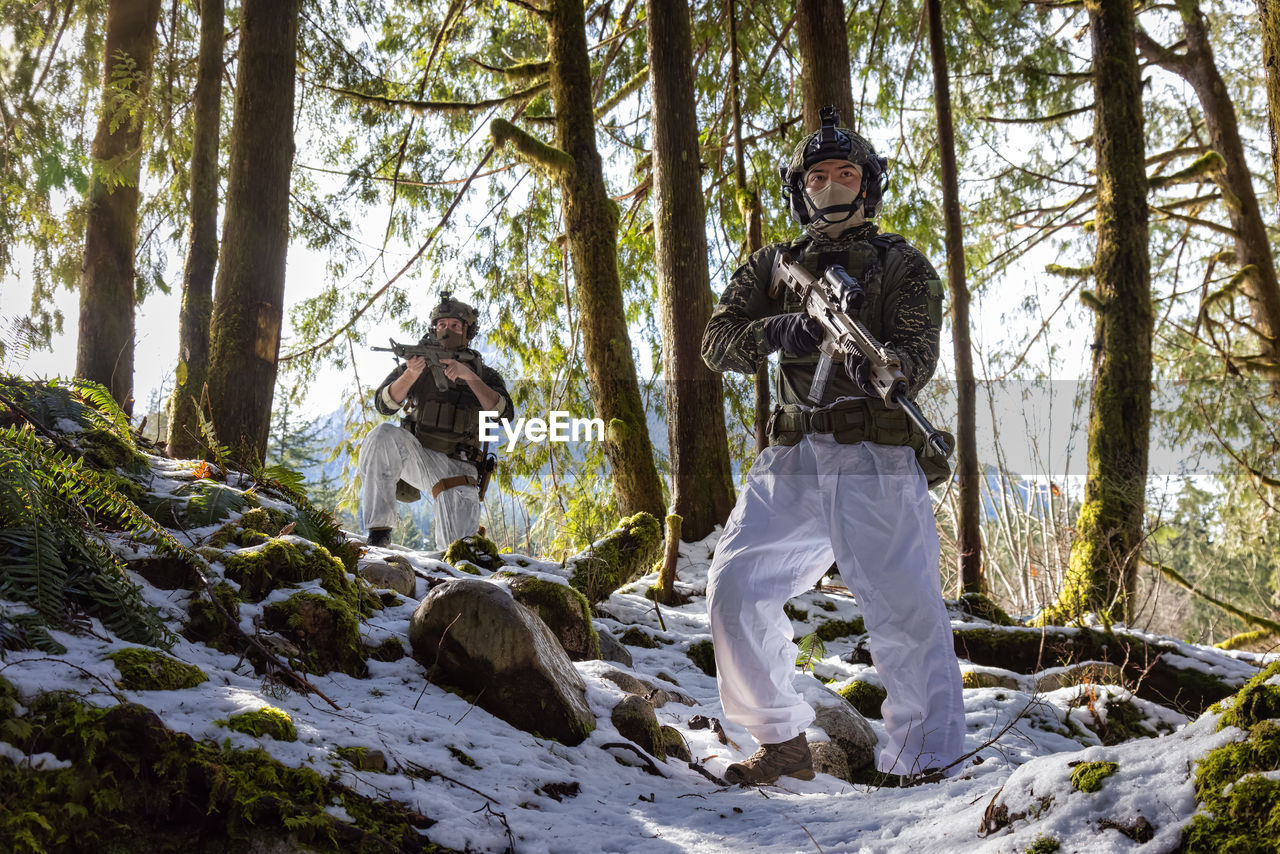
{"x": 457, "y": 309}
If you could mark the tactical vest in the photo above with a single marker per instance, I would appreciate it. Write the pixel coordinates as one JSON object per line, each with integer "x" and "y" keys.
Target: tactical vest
{"x": 446, "y": 421}
{"x": 865, "y": 260}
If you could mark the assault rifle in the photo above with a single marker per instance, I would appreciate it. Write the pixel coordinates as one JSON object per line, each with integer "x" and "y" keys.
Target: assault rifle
{"x": 433, "y": 352}
{"x": 834, "y": 300}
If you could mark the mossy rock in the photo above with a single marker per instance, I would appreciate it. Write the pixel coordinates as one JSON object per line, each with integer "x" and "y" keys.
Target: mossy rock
{"x": 972, "y": 679}
{"x": 1243, "y": 818}
{"x": 167, "y": 572}
{"x": 703, "y": 654}
{"x": 389, "y": 650}
{"x": 284, "y": 562}
{"x": 325, "y": 628}
{"x": 983, "y": 607}
{"x": 143, "y": 669}
{"x": 618, "y": 558}
{"x": 1254, "y": 703}
{"x": 634, "y": 719}
{"x": 475, "y": 549}
{"x": 864, "y": 696}
{"x": 564, "y": 609}
{"x": 1123, "y": 722}
{"x": 206, "y": 623}
{"x": 365, "y": 758}
{"x": 254, "y": 527}
{"x": 1089, "y": 776}
{"x": 674, "y": 744}
{"x": 134, "y": 785}
{"x": 639, "y": 637}
{"x": 833, "y": 629}
{"x": 105, "y": 449}
{"x": 269, "y": 721}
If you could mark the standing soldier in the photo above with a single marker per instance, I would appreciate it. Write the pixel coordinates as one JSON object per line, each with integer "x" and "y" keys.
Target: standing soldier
{"x": 840, "y": 479}
{"x": 437, "y": 448}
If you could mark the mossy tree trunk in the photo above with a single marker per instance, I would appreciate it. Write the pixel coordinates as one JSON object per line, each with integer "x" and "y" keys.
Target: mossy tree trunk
{"x": 202, "y": 238}
{"x": 825, "y": 74}
{"x": 104, "y": 346}
{"x": 247, "y": 311}
{"x": 1103, "y": 566}
{"x": 701, "y": 477}
{"x": 752, "y": 213}
{"x": 1253, "y": 247}
{"x": 1269, "y": 22}
{"x": 591, "y": 220}
{"x": 968, "y": 525}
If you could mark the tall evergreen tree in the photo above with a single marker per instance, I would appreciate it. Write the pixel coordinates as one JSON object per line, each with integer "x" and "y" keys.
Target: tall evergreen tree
{"x": 1104, "y": 558}
{"x": 701, "y": 477}
{"x": 1269, "y": 22}
{"x": 104, "y": 349}
{"x": 1197, "y": 66}
{"x": 202, "y": 238}
{"x": 248, "y": 307}
{"x": 824, "y": 59}
{"x": 968, "y": 524}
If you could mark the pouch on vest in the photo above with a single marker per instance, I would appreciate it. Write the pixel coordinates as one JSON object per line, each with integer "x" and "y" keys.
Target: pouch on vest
{"x": 936, "y": 467}
{"x": 786, "y": 425}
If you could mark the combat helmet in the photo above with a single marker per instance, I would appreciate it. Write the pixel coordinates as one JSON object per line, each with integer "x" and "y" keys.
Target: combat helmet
{"x": 832, "y": 142}
{"x": 456, "y": 308}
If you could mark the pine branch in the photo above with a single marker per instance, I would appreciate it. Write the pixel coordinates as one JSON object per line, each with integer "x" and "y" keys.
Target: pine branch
{"x": 519, "y": 71}
{"x": 445, "y": 107}
{"x": 1038, "y": 120}
{"x": 533, "y": 151}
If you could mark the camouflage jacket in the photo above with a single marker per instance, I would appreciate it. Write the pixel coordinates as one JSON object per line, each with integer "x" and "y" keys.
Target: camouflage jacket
{"x": 903, "y": 311}
{"x": 445, "y": 420}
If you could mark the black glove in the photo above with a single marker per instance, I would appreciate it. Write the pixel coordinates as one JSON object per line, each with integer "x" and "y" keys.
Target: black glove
{"x": 797, "y": 333}
{"x": 859, "y": 370}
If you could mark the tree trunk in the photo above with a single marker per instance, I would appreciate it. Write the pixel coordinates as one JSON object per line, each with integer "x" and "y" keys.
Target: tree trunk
{"x": 1253, "y": 248}
{"x": 701, "y": 477}
{"x": 968, "y": 531}
{"x": 752, "y": 214}
{"x": 1269, "y": 22}
{"x": 824, "y": 60}
{"x": 247, "y": 311}
{"x": 202, "y": 239}
{"x": 1104, "y": 557}
{"x": 104, "y": 349}
{"x": 591, "y": 220}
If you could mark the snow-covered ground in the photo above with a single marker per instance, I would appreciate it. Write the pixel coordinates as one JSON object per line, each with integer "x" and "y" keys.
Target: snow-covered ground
{"x": 489, "y": 790}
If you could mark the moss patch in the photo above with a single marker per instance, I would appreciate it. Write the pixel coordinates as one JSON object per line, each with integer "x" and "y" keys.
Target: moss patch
{"x": 133, "y": 785}
{"x": 1044, "y": 844}
{"x": 703, "y": 654}
{"x": 1248, "y": 817}
{"x": 832, "y": 629}
{"x": 268, "y": 721}
{"x": 283, "y": 563}
{"x": 255, "y": 527}
{"x": 621, "y": 556}
{"x": 477, "y": 550}
{"x": 206, "y": 623}
{"x": 640, "y": 638}
{"x": 1088, "y": 776}
{"x": 325, "y": 628}
{"x": 144, "y": 669}
{"x": 983, "y": 607}
{"x": 1255, "y": 702}
{"x": 865, "y": 697}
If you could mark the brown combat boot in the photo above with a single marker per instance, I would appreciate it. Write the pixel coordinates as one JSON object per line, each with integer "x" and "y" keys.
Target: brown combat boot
{"x": 771, "y": 761}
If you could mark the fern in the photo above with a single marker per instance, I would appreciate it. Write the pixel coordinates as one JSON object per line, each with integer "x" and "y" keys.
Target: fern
{"x": 811, "y": 649}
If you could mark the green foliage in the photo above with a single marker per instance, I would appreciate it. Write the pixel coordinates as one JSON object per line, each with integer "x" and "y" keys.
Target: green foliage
{"x": 809, "y": 649}
{"x": 1088, "y": 776}
{"x": 267, "y": 721}
{"x": 1239, "y": 806}
{"x": 833, "y": 629}
{"x": 151, "y": 670}
{"x": 1044, "y": 844}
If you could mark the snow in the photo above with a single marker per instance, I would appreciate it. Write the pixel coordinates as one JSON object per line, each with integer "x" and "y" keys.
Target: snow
{"x": 485, "y": 783}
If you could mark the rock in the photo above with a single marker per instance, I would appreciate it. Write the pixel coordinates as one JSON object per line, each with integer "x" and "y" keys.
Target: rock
{"x": 474, "y": 637}
{"x": 1089, "y": 672}
{"x": 865, "y": 697}
{"x": 611, "y": 649}
{"x": 675, "y": 744}
{"x": 167, "y": 573}
{"x": 830, "y": 759}
{"x": 990, "y": 679}
{"x": 476, "y": 550}
{"x": 619, "y": 557}
{"x": 393, "y": 573}
{"x": 659, "y": 697}
{"x": 847, "y": 729}
{"x": 565, "y": 611}
{"x": 634, "y": 720}
{"x": 284, "y": 562}
{"x": 365, "y": 758}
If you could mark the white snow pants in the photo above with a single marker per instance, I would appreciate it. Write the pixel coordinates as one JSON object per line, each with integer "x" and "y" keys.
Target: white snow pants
{"x": 391, "y": 453}
{"x": 867, "y": 506}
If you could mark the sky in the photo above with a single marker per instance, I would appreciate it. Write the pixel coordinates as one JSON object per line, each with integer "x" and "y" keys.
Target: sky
{"x": 1019, "y": 734}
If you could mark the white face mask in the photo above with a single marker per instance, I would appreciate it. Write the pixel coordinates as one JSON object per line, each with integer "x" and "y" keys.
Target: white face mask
{"x": 842, "y": 219}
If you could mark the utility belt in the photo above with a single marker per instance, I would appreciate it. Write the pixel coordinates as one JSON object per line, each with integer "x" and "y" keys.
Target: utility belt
{"x": 855, "y": 420}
